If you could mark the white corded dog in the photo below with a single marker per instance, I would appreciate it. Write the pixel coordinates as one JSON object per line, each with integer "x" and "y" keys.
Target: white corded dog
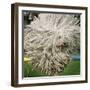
{"x": 49, "y": 41}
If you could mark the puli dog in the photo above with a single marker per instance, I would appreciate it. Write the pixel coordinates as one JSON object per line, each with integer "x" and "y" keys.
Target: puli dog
{"x": 50, "y": 40}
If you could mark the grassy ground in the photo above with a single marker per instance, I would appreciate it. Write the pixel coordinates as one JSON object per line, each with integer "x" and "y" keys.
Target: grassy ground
{"x": 28, "y": 72}
{"x": 73, "y": 68}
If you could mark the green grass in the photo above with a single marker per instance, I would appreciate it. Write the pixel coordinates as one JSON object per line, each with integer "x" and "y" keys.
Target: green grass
{"x": 28, "y": 72}
{"x": 73, "y": 68}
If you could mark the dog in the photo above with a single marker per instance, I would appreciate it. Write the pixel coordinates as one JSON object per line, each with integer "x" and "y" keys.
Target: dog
{"x": 50, "y": 40}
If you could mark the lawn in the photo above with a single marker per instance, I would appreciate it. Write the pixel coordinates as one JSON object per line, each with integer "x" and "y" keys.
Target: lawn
{"x": 73, "y": 68}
